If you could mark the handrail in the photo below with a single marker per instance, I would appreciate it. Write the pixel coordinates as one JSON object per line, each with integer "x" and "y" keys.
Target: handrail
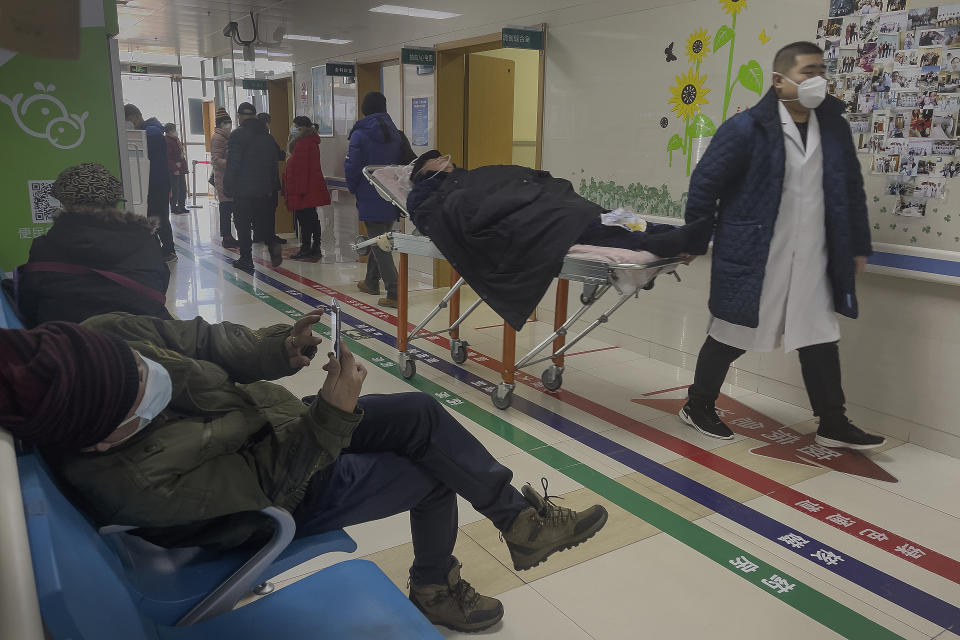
{"x": 19, "y": 607}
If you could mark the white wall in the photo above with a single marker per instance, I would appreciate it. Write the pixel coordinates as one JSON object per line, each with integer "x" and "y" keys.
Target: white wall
{"x": 607, "y": 87}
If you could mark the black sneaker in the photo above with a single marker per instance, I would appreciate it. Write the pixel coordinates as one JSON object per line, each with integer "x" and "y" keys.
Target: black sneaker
{"x": 244, "y": 264}
{"x": 276, "y": 254}
{"x": 706, "y": 421}
{"x": 844, "y": 435}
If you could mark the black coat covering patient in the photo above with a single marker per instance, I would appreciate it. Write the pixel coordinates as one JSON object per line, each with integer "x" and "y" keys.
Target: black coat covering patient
{"x": 506, "y": 229}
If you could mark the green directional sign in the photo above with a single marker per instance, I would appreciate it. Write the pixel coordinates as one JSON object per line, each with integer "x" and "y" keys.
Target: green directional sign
{"x": 520, "y": 38}
{"x": 138, "y": 68}
{"x": 419, "y": 57}
{"x": 254, "y": 85}
{"x": 342, "y": 69}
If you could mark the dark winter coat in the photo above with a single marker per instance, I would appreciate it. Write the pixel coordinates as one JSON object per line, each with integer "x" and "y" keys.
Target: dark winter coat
{"x": 303, "y": 183}
{"x": 374, "y": 140}
{"x": 739, "y": 182}
{"x": 506, "y": 230}
{"x": 252, "y": 157}
{"x": 110, "y": 240}
{"x": 176, "y": 163}
{"x": 157, "y": 155}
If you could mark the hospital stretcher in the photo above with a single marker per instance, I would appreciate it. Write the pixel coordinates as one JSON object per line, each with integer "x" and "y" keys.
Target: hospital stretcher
{"x": 598, "y": 277}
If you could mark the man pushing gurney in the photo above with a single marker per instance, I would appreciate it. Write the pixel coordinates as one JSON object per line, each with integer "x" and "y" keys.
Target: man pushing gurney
{"x": 506, "y": 229}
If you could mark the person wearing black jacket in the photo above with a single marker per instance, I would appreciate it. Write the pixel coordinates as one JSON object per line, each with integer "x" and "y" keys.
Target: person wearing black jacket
{"x": 158, "y": 205}
{"x": 95, "y": 259}
{"x": 251, "y": 179}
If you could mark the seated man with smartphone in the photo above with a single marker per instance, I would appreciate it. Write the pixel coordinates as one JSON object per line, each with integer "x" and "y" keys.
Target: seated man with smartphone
{"x": 172, "y": 427}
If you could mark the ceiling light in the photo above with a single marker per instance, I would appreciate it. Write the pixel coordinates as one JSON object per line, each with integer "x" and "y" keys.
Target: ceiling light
{"x": 316, "y": 39}
{"x": 414, "y": 13}
{"x": 264, "y": 52}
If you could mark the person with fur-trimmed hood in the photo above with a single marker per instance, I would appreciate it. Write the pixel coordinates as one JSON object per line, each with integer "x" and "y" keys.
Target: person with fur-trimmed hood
{"x": 95, "y": 259}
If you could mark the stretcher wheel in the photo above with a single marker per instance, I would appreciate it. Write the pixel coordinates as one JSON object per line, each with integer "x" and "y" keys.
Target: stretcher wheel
{"x": 458, "y": 351}
{"x": 408, "y": 369}
{"x": 552, "y": 378}
{"x": 502, "y": 398}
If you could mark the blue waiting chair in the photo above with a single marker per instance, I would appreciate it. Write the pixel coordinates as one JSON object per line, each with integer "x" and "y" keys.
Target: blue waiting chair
{"x": 85, "y": 593}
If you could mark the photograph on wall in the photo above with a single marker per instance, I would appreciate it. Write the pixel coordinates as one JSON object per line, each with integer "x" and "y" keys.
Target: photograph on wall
{"x": 944, "y": 126}
{"x": 928, "y": 83}
{"x": 900, "y": 186}
{"x": 866, "y": 58}
{"x": 870, "y": 28}
{"x": 839, "y": 8}
{"x": 921, "y": 123}
{"x": 822, "y": 29}
{"x": 869, "y": 143}
{"x": 948, "y": 102}
{"x": 907, "y": 99}
{"x": 885, "y": 100}
{"x": 866, "y": 102}
{"x": 948, "y": 16}
{"x": 908, "y": 166}
{"x": 323, "y": 101}
{"x": 935, "y": 188}
{"x": 908, "y": 40}
{"x": 919, "y": 148}
{"x": 911, "y": 207}
{"x": 850, "y": 31}
{"x": 831, "y": 49}
{"x": 944, "y": 148}
{"x": 859, "y": 122}
{"x": 893, "y": 22}
{"x": 948, "y": 82}
{"x": 884, "y": 163}
{"x": 921, "y": 17}
{"x": 882, "y": 80}
{"x": 881, "y": 119}
{"x": 904, "y": 79}
{"x": 930, "y": 37}
{"x": 847, "y": 61}
{"x": 906, "y": 59}
{"x": 950, "y": 169}
{"x": 951, "y": 36}
{"x": 928, "y": 99}
{"x": 930, "y": 59}
{"x": 833, "y": 27}
{"x": 887, "y": 46}
{"x": 951, "y": 61}
{"x": 895, "y": 5}
{"x": 898, "y": 125}
{"x": 928, "y": 166}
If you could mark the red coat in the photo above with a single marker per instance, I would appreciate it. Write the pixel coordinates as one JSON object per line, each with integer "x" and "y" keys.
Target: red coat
{"x": 304, "y": 184}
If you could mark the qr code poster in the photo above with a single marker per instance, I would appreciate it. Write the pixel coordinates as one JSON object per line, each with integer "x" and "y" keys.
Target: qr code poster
{"x": 42, "y": 204}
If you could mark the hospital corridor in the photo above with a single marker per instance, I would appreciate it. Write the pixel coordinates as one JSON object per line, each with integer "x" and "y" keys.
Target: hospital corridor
{"x": 589, "y": 320}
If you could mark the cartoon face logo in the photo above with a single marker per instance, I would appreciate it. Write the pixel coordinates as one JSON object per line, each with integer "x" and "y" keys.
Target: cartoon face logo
{"x": 44, "y": 116}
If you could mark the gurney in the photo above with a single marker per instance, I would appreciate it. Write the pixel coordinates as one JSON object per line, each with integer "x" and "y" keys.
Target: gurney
{"x": 599, "y": 269}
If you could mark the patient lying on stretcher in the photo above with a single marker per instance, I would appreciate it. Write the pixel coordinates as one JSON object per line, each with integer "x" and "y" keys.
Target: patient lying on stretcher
{"x": 431, "y": 170}
{"x": 507, "y": 229}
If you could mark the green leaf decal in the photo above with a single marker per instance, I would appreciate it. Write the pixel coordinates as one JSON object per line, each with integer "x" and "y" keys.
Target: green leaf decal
{"x": 676, "y": 142}
{"x": 724, "y": 35}
{"x": 701, "y": 127}
{"x": 751, "y": 77}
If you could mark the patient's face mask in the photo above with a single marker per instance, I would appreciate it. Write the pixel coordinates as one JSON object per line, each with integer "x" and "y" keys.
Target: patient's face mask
{"x": 156, "y": 396}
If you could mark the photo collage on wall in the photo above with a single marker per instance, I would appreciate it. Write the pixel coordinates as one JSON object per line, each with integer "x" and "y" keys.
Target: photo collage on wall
{"x": 897, "y": 70}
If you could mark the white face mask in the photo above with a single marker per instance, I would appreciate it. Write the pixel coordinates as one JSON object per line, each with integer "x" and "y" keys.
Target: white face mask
{"x": 156, "y": 396}
{"x": 810, "y": 93}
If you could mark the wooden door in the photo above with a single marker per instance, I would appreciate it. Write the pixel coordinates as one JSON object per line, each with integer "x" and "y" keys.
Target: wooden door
{"x": 490, "y": 84}
{"x": 279, "y": 93}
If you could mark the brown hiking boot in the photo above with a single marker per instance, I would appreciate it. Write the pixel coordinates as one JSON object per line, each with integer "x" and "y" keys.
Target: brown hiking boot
{"x": 456, "y": 605}
{"x": 388, "y": 302}
{"x": 545, "y": 528}
{"x": 364, "y": 288}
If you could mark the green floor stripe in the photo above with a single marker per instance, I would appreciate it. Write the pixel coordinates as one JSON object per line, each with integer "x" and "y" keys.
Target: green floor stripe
{"x": 780, "y": 585}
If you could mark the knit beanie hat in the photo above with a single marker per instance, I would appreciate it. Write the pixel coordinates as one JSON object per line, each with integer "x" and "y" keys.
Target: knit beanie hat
{"x": 63, "y": 386}
{"x": 221, "y": 116}
{"x": 374, "y": 102}
{"x": 87, "y": 185}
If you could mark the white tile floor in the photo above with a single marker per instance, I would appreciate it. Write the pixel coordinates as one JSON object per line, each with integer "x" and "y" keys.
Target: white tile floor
{"x": 655, "y": 585}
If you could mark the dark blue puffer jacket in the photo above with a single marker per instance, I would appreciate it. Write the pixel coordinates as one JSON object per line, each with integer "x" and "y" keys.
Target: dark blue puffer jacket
{"x": 157, "y": 154}
{"x": 738, "y": 184}
{"x": 374, "y": 140}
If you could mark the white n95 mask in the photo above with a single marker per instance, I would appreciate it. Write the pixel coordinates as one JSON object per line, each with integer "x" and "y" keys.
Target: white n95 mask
{"x": 156, "y": 396}
{"x": 810, "y": 93}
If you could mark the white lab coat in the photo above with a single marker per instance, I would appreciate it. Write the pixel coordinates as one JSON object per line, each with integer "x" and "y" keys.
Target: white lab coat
{"x": 796, "y": 303}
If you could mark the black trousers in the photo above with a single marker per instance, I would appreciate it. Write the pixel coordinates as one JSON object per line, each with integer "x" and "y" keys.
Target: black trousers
{"x": 158, "y": 206}
{"x": 408, "y": 453}
{"x": 820, "y": 364}
{"x": 226, "y": 212}
{"x": 256, "y": 214}
{"x": 309, "y": 223}
{"x": 178, "y": 192}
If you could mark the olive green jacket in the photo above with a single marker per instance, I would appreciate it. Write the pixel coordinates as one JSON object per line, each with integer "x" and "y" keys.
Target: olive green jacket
{"x": 228, "y": 444}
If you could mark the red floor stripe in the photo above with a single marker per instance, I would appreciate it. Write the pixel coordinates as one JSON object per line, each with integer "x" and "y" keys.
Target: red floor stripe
{"x": 662, "y": 391}
{"x": 580, "y": 353}
{"x": 928, "y": 559}
{"x": 492, "y": 326}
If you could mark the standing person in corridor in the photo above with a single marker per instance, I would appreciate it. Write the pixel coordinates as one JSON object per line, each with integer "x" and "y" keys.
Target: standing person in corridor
{"x": 376, "y": 140}
{"x": 158, "y": 191}
{"x": 304, "y": 186}
{"x": 218, "y": 156}
{"x": 252, "y": 180}
{"x": 784, "y": 187}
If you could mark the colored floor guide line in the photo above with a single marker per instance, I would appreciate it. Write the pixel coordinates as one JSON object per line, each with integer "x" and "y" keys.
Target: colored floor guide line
{"x": 828, "y": 612}
{"x": 890, "y": 542}
{"x": 896, "y": 591}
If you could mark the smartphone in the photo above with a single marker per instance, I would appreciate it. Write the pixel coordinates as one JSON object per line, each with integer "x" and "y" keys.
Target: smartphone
{"x": 335, "y": 327}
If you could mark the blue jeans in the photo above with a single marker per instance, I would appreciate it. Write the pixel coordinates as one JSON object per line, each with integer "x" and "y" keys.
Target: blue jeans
{"x": 408, "y": 453}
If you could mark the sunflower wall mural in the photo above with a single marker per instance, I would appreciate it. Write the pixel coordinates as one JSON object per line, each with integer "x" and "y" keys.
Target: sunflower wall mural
{"x": 689, "y": 94}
